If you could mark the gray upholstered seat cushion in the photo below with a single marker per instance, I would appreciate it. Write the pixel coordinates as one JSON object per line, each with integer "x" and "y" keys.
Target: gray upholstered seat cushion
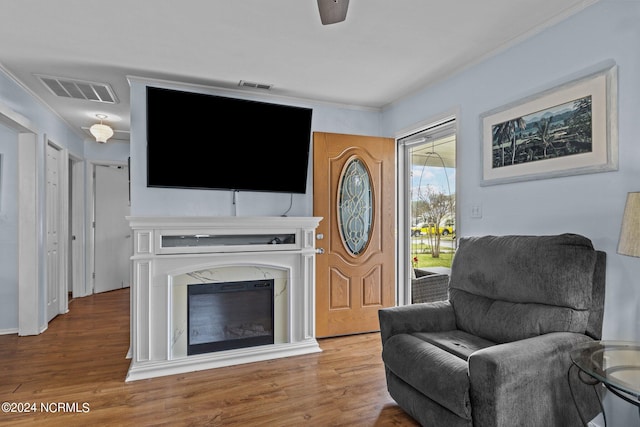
{"x": 457, "y": 342}
{"x": 430, "y": 370}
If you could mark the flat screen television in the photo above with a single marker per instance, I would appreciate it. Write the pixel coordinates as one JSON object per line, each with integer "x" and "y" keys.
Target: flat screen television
{"x": 205, "y": 141}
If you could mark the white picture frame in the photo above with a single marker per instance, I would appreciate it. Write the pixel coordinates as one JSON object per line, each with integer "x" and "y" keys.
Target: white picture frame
{"x": 570, "y": 129}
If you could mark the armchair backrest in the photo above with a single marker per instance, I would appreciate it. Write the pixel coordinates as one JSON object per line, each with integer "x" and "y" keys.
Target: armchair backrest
{"x": 596, "y": 312}
{"x": 506, "y": 288}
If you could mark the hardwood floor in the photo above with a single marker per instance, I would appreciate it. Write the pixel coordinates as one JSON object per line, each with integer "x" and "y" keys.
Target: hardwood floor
{"x": 77, "y": 368}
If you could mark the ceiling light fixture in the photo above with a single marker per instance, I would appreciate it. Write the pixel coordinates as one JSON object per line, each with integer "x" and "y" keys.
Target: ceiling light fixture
{"x": 100, "y": 131}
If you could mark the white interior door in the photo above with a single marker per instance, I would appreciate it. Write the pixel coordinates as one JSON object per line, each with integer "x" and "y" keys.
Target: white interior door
{"x": 53, "y": 231}
{"x": 76, "y": 228}
{"x": 112, "y": 233}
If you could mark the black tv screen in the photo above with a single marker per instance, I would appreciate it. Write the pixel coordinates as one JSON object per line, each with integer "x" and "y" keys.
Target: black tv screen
{"x": 204, "y": 141}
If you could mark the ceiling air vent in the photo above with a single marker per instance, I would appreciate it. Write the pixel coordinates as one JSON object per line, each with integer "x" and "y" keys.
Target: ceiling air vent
{"x": 79, "y": 89}
{"x": 244, "y": 83}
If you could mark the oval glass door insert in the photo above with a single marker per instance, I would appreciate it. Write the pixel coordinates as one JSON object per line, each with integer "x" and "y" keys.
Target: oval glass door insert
{"x": 355, "y": 206}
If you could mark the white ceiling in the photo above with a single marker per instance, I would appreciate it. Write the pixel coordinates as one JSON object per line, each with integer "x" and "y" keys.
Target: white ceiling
{"x": 382, "y": 52}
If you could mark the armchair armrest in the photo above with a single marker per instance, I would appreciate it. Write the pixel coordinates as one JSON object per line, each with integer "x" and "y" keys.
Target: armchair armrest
{"x": 537, "y": 368}
{"x": 428, "y": 317}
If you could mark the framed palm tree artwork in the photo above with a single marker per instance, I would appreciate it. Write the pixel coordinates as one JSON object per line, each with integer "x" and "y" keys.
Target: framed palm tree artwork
{"x": 569, "y": 129}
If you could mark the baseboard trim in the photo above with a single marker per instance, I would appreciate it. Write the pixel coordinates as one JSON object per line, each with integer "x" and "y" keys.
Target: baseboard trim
{"x": 150, "y": 369}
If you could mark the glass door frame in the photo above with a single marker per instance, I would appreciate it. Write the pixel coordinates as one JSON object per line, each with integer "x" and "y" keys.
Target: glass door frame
{"x": 403, "y": 249}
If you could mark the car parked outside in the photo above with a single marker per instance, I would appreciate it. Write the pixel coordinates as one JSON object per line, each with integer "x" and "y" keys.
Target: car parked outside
{"x": 424, "y": 228}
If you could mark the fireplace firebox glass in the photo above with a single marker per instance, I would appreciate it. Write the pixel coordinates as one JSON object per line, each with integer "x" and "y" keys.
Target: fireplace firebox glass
{"x": 229, "y": 315}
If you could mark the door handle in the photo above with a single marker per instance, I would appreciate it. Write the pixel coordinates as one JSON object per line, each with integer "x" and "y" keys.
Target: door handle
{"x": 320, "y": 251}
{"x": 319, "y": 236}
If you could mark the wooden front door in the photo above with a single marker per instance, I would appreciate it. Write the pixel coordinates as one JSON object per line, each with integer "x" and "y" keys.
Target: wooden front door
{"x": 354, "y": 192}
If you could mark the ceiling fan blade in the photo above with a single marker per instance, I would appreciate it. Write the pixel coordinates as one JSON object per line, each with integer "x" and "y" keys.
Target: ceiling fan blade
{"x": 332, "y": 11}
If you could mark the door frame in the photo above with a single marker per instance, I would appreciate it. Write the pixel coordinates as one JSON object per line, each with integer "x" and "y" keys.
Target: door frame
{"x": 29, "y": 220}
{"x": 77, "y": 230}
{"x": 63, "y": 227}
{"x": 90, "y": 224}
{"x": 403, "y": 214}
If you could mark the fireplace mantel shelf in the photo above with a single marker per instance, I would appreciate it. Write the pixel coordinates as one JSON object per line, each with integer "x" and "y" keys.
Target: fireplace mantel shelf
{"x": 260, "y": 222}
{"x": 173, "y": 252}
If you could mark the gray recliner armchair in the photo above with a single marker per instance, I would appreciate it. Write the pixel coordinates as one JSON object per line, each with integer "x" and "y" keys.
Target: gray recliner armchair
{"x": 497, "y": 352}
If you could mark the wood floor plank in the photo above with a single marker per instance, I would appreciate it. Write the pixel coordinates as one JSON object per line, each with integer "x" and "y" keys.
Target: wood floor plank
{"x": 77, "y": 370}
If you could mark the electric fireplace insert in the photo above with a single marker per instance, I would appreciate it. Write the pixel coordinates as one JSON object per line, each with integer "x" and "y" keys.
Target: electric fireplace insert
{"x": 229, "y": 315}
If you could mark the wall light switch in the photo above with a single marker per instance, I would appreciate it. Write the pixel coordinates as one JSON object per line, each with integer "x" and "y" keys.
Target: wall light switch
{"x": 476, "y": 211}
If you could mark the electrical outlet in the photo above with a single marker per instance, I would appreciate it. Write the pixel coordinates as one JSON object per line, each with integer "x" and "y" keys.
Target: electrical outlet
{"x": 476, "y": 211}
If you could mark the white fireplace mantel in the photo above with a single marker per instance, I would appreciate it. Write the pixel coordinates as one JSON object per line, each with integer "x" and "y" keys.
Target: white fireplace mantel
{"x": 173, "y": 252}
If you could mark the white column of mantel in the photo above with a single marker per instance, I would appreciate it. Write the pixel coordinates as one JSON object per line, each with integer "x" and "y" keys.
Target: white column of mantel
{"x": 140, "y": 316}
